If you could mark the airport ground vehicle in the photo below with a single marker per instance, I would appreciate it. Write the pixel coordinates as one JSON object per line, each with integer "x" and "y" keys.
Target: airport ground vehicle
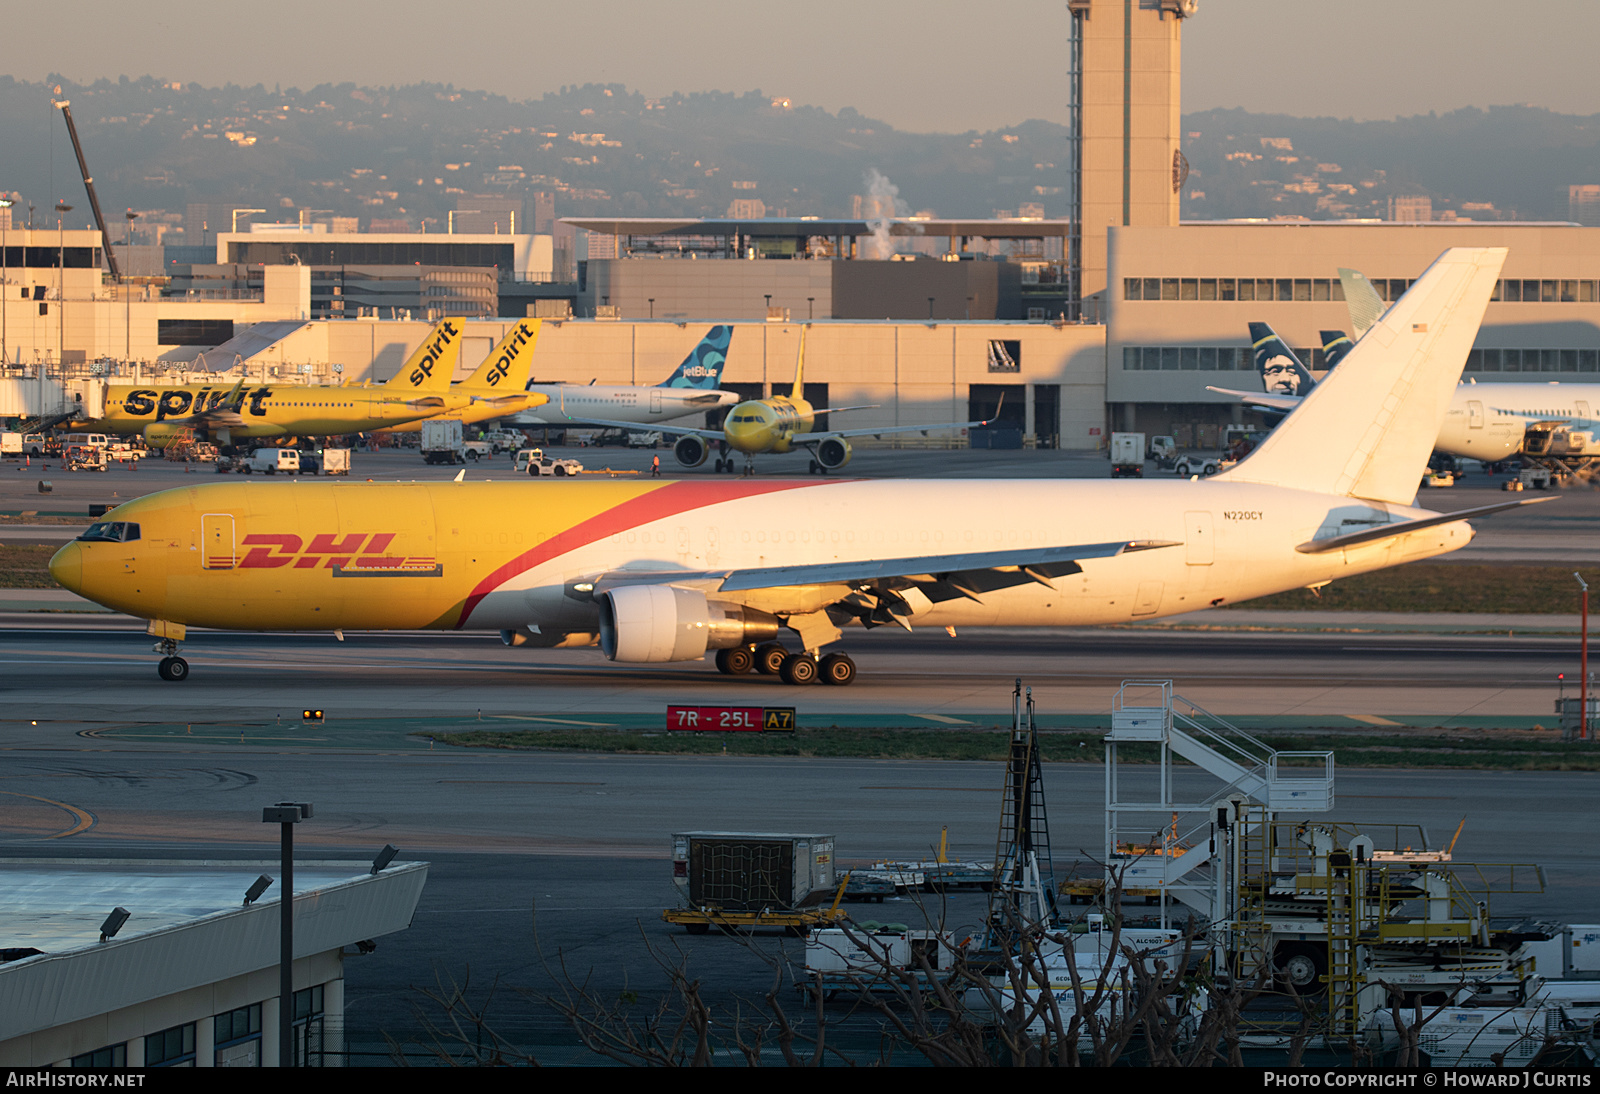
{"x": 86, "y": 457}
{"x": 1163, "y": 450}
{"x": 34, "y": 444}
{"x": 533, "y": 461}
{"x": 476, "y": 450}
{"x": 10, "y": 444}
{"x": 269, "y": 461}
{"x": 1127, "y": 455}
{"x": 751, "y": 880}
{"x": 442, "y": 441}
{"x": 1203, "y": 464}
{"x": 1530, "y": 478}
{"x": 503, "y": 440}
{"x": 335, "y": 461}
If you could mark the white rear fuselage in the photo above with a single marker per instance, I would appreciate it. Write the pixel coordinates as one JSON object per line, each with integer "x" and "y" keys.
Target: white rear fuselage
{"x": 624, "y": 403}
{"x": 1234, "y": 541}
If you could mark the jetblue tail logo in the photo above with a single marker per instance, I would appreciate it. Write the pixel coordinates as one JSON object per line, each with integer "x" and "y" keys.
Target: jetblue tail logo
{"x": 1281, "y": 371}
{"x": 703, "y": 367}
{"x": 1335, "y": 345}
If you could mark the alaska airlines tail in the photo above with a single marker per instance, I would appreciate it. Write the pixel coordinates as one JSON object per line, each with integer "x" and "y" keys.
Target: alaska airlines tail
{"x": 1366, "y": 307}
{"x": 1336, "y": 346}
{"x": 1281, "y": 371}
{"x": 511, "y": 362}
{"x": 703, "y": 367}
{"x": 433, "y": 365}
{"x": 1367, "y": 430}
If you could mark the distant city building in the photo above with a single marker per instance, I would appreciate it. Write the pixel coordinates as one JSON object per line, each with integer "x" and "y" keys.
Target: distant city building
{"x": 1583, "y": 204}
{"x": 1410, "y": 208}
{"x": 488, "y": 214}
{"x": 746, "y": 209}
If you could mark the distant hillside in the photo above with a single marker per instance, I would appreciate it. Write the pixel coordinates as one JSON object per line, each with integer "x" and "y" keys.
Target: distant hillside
{"x": 411, "y": 153}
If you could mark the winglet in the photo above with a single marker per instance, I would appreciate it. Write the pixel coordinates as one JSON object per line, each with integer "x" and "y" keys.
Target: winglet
{"x": 799, "y": 392}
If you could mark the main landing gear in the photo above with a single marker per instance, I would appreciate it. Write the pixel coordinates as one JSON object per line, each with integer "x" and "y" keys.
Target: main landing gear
{"x": 771, "y": 659}
{"x": 172, "y": 667}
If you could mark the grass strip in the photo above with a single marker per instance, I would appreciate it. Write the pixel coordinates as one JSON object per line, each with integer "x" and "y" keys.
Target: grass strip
{"x": 1441, "y": 587}
{"x": 26, "y": 566}
{"x": 1476, "y": 749}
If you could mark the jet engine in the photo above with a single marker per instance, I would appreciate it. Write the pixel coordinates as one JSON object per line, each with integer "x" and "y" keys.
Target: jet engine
{"x": 833, "y": 453}
{"x": 690, "y": 450}
{"x": 548, "y": 640}
{"x": 640, "y": 623}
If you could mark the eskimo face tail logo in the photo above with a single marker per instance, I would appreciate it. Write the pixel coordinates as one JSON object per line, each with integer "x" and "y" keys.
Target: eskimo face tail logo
{"x": 703, "y": 367}
{"x": 441, "y": 342}
{"x": 1281, "y": 371}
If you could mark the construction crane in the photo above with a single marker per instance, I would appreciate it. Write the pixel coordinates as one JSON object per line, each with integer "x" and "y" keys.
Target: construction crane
{"x": 88, "y": 184}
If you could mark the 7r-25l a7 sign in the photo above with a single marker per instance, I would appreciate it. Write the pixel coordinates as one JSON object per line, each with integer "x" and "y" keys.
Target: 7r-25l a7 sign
{"x": 730, "y": 719}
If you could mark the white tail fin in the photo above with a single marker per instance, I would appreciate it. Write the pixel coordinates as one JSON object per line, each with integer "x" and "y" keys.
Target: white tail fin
{"x": 1367, "y": 429}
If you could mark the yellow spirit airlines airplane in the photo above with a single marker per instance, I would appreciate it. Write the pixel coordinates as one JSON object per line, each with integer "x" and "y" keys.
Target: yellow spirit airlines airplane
{"x": 660, "y": 570}
{"x": 497, "y": 388}
{"x": 216, "y": 412}
{"x": 780, "y": 424}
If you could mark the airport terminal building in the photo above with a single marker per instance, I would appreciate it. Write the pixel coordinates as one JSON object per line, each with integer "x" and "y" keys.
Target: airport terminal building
{"x": 1118, "y": 316}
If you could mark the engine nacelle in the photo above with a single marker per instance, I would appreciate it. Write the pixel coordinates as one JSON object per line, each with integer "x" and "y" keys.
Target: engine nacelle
{"x": 691, "y": 451}
{"x": 645, "y": 623}
{"x": 548, "y": 640}
{"x": 833, "y": 453}
{"x": 162, "y": 434}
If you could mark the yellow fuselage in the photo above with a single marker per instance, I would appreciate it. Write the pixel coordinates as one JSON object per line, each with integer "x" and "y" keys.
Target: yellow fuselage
{"x": 767, "y": 425}
{"x": 273, "y": 410}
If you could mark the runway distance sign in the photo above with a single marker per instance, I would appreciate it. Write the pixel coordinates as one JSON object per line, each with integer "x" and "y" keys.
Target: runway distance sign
{"x": 731, "y": 719}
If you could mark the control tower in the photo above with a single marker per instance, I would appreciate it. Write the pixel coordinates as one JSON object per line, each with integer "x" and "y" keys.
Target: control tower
{"x": 1127, "y": 166}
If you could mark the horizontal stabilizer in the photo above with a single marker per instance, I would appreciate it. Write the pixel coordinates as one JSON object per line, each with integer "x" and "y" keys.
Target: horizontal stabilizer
{"x": 1405, "y": 527}
{"x": 1284, "y": 403}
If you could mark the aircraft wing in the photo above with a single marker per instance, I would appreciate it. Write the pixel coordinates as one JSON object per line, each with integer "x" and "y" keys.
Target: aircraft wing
{"x": 1284, "y": 403}
{"x": 651, "y": 427}
{"x": 878, "y": 431}
{"x": 1031, "y": 564}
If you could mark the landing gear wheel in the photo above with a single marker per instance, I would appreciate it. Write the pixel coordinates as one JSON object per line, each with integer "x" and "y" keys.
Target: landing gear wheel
{"x": 769, "y": 658}
{"x": 735, "y": 662}
{"x": 813, "y": 469}
{"x": 175, "y": 669}
{"x": 837, "y": 669}
{"x": 719, "y": 466}
{"x": 798, "y": 668}
{"x": 1302, "y": 966}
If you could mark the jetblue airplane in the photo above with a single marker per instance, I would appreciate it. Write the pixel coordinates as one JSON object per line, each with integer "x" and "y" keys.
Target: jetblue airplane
{"x": 691, "y": 389}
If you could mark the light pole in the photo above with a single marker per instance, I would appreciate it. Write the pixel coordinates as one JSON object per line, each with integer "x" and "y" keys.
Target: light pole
{"x": 127, "y": 300}
{"x": 286, "y": 815}
{"x": 1583, "y": 661}
{"x": 62, "y": 209}
{"x": 5, "y": 278}
{"x": 234, "y": 223}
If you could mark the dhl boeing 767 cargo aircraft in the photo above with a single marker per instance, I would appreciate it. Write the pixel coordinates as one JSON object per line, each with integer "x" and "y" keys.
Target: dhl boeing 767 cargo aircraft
{"x": 660, "y": 571}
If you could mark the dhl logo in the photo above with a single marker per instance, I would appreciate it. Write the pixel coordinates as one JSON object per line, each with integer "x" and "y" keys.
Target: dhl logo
{"x": 366, "y": 550}
{"x": 441, "y": 342}
{"x": 502, "y": 364}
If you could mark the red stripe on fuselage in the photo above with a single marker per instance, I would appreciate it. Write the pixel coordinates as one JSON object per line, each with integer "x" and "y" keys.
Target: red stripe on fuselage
{"x": 669, "y": 500}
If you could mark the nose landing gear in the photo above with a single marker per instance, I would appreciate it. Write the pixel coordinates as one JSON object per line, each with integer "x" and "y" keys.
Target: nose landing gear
{"x": 172, "y": 667}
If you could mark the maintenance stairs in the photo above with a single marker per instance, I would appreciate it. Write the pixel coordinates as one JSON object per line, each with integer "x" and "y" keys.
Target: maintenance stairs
{"x": 1147, "y": 713}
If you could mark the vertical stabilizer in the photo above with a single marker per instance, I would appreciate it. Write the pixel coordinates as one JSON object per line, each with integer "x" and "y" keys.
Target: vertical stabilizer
{"x": 509, "y": 364}
{"x": 702, "y": 369}
{"x": 1336, "y": 346}
{"x": 799, "y": 392}
{"x": 1280, "y": 369}
{"x": 433, "y": 365}
{"x": 1367, "y": 429}
{"x": 1366, "y": 307}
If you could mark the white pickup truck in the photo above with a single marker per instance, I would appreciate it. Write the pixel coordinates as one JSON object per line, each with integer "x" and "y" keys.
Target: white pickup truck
{"x": 533, "y": 461}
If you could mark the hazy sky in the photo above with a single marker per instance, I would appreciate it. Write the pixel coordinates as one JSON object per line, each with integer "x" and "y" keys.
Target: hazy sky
{"x": 929, "y": 65}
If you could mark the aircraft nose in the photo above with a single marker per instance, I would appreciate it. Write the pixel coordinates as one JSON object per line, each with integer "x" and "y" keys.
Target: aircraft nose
{"x": 67, "y": 567}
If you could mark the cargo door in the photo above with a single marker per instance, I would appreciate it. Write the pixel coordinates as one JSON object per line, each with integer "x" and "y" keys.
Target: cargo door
{"x": 217, "y": 541}
{"x": 1197, "y": 538}
{"x": 1474, "y": 414}
{"x": 655, "y": 400}
{"x": 1580, "y": 409}
{"x": 1148, "y": 602}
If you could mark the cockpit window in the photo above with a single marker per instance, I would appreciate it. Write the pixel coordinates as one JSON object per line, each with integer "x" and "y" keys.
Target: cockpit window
{"x": 111, "y": 531}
